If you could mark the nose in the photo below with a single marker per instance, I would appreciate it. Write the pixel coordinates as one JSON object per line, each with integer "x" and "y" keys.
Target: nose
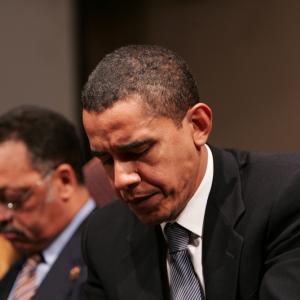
{"x": 125, "y": 175}
{"x": 6, "y": 214}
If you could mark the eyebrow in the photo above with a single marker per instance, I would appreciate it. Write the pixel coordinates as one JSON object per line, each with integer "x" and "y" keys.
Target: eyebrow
{"x": 124, "y": 148}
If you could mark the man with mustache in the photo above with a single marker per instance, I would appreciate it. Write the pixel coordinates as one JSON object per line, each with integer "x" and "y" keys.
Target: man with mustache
{"x": 202, "y": 223}
{"x": 43, "y": 204}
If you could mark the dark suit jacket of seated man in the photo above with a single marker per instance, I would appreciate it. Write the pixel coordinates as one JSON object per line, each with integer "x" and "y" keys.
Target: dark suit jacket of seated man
{"x": 43, "y": 202}
{"x": 145, "y": 121}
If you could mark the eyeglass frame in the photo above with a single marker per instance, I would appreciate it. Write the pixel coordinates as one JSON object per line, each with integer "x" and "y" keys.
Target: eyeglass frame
{"x": 16, "y": 206}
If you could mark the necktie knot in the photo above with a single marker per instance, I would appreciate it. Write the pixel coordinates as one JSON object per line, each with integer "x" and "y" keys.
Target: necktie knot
{"x": 32, "y": 262}
{"x": 184, "y": 283}
{"x": 178, "y": 237}
{"x": 26, "y": 284}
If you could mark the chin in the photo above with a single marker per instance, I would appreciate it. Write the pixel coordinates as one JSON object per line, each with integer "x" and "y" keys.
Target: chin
{"x": 26, "y": 248}
{"x": 152, "y": 218}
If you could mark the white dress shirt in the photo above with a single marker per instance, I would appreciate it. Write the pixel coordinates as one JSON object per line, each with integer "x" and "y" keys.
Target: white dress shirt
{"x": 192, "y": 217}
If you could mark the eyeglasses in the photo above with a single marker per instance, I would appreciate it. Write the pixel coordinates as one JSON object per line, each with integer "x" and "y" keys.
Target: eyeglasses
{"x": 15, "y": 198}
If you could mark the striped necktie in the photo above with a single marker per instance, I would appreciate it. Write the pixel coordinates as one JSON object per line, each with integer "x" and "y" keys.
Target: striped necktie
{"x": 26, "y": 284}
{"x": 184, "y": 283}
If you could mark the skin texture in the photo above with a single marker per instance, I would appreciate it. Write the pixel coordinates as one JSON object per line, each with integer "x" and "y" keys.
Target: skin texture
{"x": 154, "y": 165}
{"x": 47, "y": 210}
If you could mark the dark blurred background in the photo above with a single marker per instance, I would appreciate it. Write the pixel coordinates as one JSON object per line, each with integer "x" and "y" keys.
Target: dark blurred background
{"x": 243, "y": 54}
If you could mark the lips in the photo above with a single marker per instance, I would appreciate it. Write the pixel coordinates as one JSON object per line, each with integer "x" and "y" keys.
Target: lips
{"x": 138, "y": 198}
{"x": 10, "y": 235}
{"x": 144, "y": 203}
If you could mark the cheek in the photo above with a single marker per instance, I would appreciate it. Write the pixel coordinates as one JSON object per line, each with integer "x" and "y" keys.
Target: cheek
{"x": 178, "y": 185}
{"x": 169, "y": 174}
{"x": 28, "y": 225}
{"x": 109, "y": 171}
{"x": 177, "y": 174}
{"x": 37, "y": 230}
{"x": 179, "y": 161}
{"x": 156, "y": 176}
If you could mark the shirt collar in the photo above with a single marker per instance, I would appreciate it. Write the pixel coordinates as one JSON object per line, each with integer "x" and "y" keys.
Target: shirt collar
{"x": 192, "y": 217}
{"x": 52, "y": 252}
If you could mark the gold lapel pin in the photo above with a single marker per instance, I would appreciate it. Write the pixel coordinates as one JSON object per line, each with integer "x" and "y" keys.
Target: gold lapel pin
{"x": 74, "y": 273}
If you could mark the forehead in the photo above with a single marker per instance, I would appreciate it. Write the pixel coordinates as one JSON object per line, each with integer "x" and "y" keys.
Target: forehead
{"x": 14, "y": 162}
{"x": 127, "y": 120}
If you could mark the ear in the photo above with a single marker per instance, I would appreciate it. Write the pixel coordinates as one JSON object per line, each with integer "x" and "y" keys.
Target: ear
{"x": 66, "y": 181}
{"x": 200, "y": 118}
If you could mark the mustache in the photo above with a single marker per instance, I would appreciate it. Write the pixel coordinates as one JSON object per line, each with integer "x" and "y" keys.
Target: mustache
{"x": 4, "y": 228}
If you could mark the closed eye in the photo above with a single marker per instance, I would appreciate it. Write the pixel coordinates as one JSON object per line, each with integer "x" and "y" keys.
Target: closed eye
{"x": 17, "y": 196}
{"x": 136, "y": 152}
{"x": 129, "y": 152}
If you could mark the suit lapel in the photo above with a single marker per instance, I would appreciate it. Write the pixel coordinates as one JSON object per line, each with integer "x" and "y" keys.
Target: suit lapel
{"x": 221, "y": 243}
{"x": 143, "y": 265}
{"x": 67, "y": 274}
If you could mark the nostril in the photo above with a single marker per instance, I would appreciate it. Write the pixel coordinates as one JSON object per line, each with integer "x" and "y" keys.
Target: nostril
{"x": 3, "y": 225}
{"x": 5, "y": 216}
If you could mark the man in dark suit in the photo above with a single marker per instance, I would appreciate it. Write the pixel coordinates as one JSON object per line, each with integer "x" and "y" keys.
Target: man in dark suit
{"x": 43, "y": 204}
{"x": 238, "y": 212}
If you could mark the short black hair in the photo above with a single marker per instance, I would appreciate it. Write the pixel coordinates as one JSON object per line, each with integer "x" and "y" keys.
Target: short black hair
{"x": 49, "y": 137}
{"x": 160, "y": 76}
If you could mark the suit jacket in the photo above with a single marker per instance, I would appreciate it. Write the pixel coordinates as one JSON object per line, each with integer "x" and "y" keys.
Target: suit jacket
{"x": 60, "y": 283}
{"x": 251, "y": 237}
